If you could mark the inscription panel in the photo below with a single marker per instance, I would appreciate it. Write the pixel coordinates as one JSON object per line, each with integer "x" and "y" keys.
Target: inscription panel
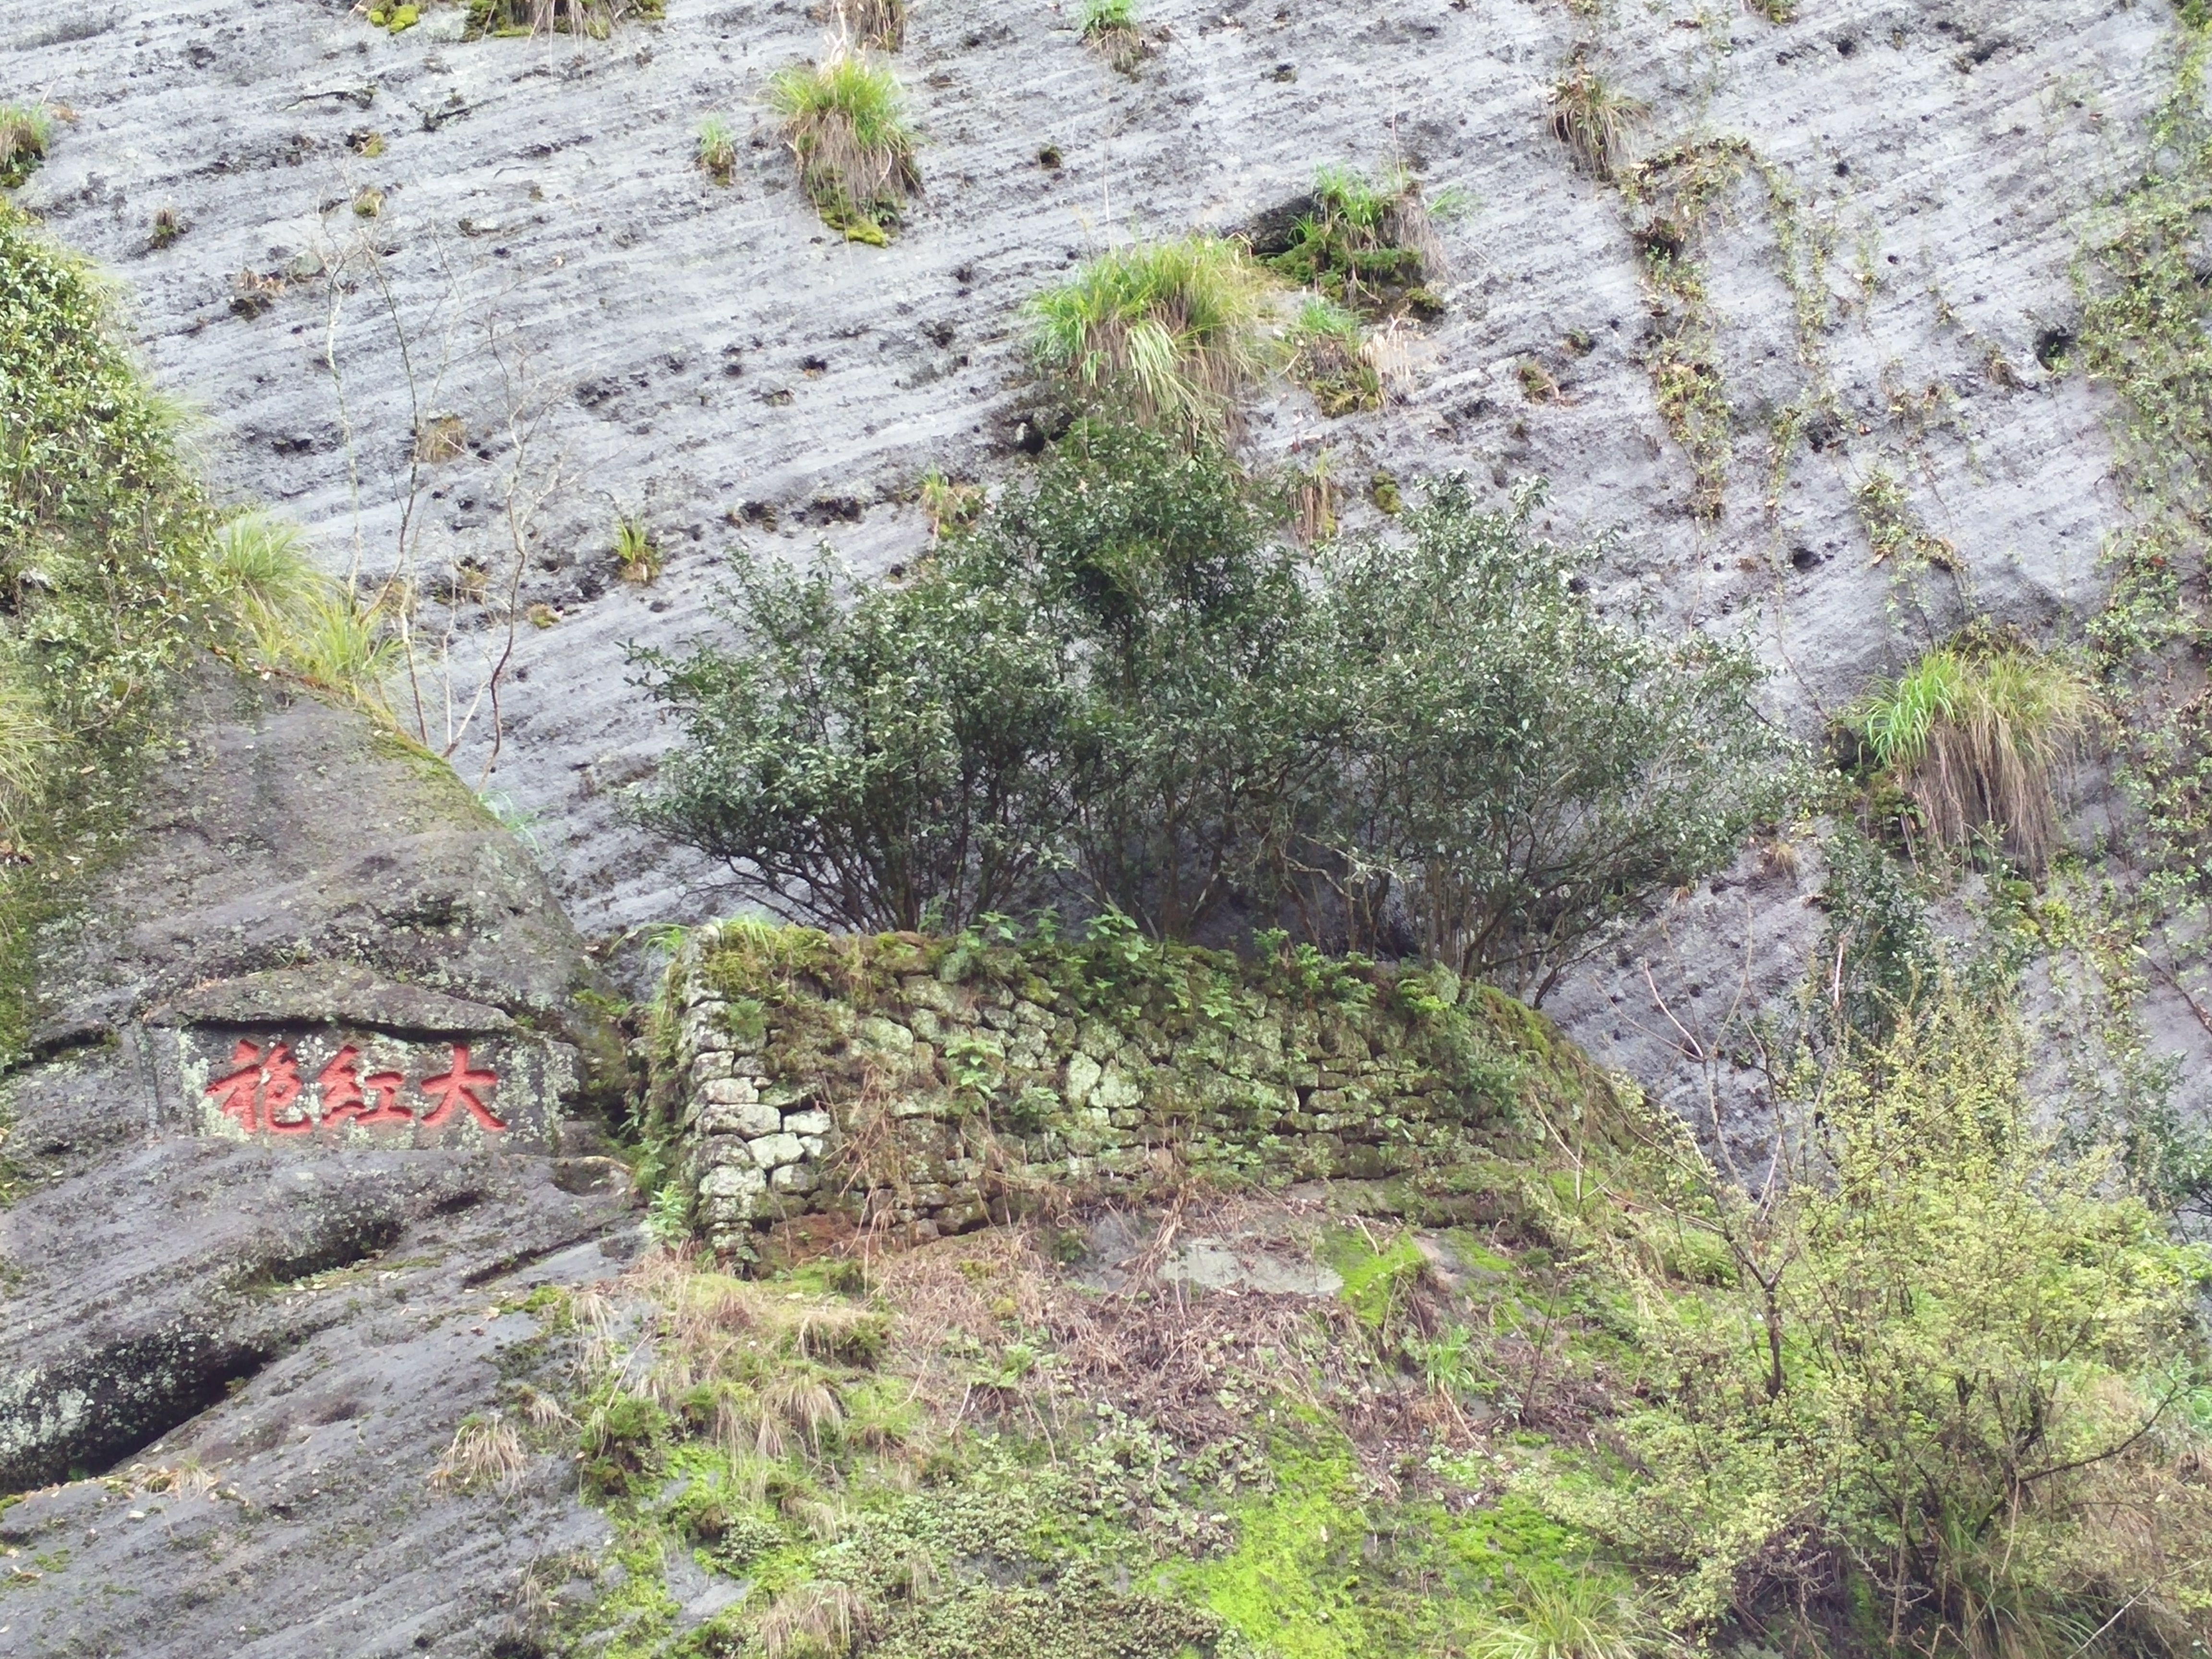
{"x": 279, "y": 1084}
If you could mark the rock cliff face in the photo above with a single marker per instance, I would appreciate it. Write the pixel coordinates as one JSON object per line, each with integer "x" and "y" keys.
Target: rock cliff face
{"x": 264, "y": 1280}
{"x": 1898, "y": 195}
{"x": 458, "y": 305}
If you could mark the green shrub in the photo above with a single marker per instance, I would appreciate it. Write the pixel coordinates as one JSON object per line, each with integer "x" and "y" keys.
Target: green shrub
{"x": 26, "y": 131}
{"x": 1952, "y": 1373}
{"x": 845, "y": 119}
{"x": 1185, "y": 666}
{"x": 1164, "y": 333}
{"x": 1117, "y": 687}
{"x": 1973, "y": 733}
{"x": 1518, "y": 771}
{"x": 902, "y": 759}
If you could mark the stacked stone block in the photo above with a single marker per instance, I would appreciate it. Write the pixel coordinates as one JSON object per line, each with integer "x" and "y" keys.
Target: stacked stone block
{"x": 939, "y": 1106}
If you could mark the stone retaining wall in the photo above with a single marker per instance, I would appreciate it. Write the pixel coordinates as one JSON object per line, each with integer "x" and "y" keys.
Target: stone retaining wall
{"x": 928, "y": 1086}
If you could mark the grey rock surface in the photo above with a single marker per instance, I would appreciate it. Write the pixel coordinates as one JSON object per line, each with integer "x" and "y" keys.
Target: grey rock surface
{"x": 291, "y": 1332}
{"x": 284, "y": 836}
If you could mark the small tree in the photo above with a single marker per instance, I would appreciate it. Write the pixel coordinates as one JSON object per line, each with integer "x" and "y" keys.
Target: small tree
{"x": 1939, "y": 1361}
{"x": 900, "y": 761}
{"x": 1521, "y": 771}
{"x": 1186, "y": 628}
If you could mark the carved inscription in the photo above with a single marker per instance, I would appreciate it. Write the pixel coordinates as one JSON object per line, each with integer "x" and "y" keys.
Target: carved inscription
{"x": 285, "y": 1084}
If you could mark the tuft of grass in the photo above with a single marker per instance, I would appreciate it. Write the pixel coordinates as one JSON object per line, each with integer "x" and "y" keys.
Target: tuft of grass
{"x": 1315, "y": 496}
{"x": 845, "y": 120}
{"x": 441, "y": 438}
{"x": 368, "y": 202}
{"x": 26, "y": 743}
{"x": 297, "y": 619}
{"x": 483, "y": 1452}
{"x": 948, "y": 504}
{"x": 1111, "y": 29}
{"x": 637, "y": 552}
{"x": 880, "y": 24}
{"x": 1329, "y": 357}
{"x": 1595, "y": 119}
{"x": 168, "y": 224}
{"x": 1973, "y": 735}
{"x": 717, "y": 149}
{"x": 1367, "y": 243}
{"x": 26, "y": 131}
{"x": 813, "y": 1621}
{"x": 1577, "y": 1614}
{"x": 1164, "y": 332}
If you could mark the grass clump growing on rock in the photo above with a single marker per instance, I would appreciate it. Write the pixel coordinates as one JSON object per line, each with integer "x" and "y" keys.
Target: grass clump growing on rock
{"x": 26, "y": 131}
{"x": 1329, "y": 357}
{"x": 1974, "y": 734}
{"x": 717, "y": 149}
{"x": 1164, "y": 333}
{"x": 637, "y": 555}
{"x": 297, "y": 619}
{"x": 1110, "y": 29}
{"x": 1595, "y": 119}
{"x": 845, "y": 120}
{"x": 1363, "y": 244}
{"x": 880, "y": 24}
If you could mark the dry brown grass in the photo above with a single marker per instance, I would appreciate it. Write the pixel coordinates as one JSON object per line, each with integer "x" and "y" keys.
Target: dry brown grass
{"x": 813, "y": 1619}
{"x": 1595, "y": 119}
{"x": 483, "y": 1452}
{"x": 880, "y": 24}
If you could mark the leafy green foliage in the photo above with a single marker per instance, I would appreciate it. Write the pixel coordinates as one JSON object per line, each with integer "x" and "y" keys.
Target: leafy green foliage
{"x": 845, "y": 119}
{"x": 1434, "y": 745}
{"x": 1163, "y": 333}
{"x": 904, "y": 758}
{"x": 1521, "y": 771}
{"x": 1182, "y": 623}
{"x": 1949, "y": 1365}
{"x": 107, "y": 589}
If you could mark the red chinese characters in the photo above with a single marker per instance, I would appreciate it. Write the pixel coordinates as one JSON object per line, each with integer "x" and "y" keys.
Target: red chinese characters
{"x": 263, "y": 1092}
{"x": 459, "y": 1087}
